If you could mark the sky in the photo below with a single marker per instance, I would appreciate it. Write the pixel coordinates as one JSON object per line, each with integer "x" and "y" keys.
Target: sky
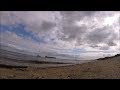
{"x": 84, "y": 34}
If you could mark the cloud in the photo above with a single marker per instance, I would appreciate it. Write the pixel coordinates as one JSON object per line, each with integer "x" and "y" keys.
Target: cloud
{"x": 62, "y": 31}
{"x": 33, "y": 20}
{"x": 92, "y": 28}
{"x": 99, "y": 35}
{"x": 47, "y": 25}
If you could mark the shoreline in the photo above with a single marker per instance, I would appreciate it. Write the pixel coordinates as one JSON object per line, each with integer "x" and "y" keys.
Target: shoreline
{"x": 107, "y": 68}
{"x": 99, "y": 69}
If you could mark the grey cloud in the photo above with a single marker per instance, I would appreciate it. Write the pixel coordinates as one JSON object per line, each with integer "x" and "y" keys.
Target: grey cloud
{"x": 89, "y": 13}
{"x": 104, "y": 34}
{"x": 99, "y": 35}
{"x": 119, "y": 19}
{"x": 69, "y": 29}
{"x": 73, "y": 32}
{"x": 104, "y": 48}
{"x": 112, "y": 38}
{"x": 94, "y": 46}
{"x": 77, "y": 14}
{"x": 24, "y": 43}
{"x": 69, "y": 17}
{"x": 47, "y": 25}
{"x": 111, "y": 43}
{"x": 34, "y": 21}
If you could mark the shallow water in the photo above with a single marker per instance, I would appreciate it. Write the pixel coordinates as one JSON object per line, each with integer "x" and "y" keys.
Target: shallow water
{"x": 18, "y": 59}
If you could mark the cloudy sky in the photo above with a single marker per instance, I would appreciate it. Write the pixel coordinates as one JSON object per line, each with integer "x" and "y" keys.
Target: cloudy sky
{"x": 86, "y": 34}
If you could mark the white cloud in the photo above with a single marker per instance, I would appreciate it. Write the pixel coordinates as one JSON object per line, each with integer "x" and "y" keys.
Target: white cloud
{"x": 93, "y": 31}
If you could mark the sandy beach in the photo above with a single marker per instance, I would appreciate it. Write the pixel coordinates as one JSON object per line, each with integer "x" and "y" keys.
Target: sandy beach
{"x": 99, "y": 69}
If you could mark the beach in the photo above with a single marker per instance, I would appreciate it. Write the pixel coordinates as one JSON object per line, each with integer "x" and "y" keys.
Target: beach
{"x": 98, "y": 69}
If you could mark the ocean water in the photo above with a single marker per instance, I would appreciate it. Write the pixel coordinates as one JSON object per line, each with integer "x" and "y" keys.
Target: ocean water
{"x": 19, "y": 59}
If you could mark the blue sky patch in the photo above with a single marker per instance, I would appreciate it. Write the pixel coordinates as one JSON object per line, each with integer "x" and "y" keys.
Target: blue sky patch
{"x": 20, "y": 30}
{"x": 78, "y": 50}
